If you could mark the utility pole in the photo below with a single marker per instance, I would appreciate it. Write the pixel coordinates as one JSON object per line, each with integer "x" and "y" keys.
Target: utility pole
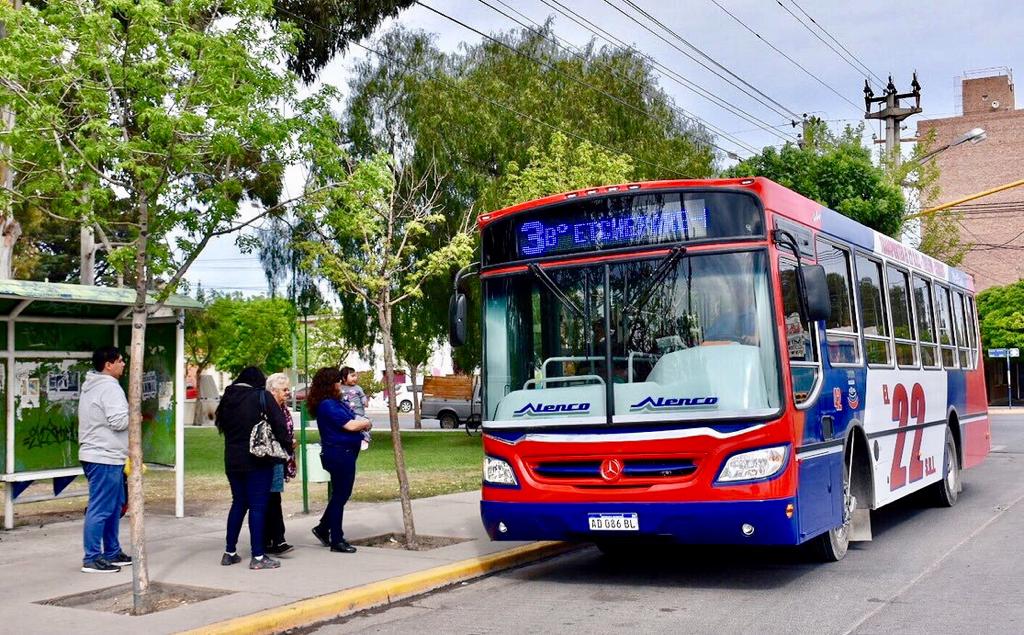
{"x": 807, "y": 126}
{"x": 892, "y": 113}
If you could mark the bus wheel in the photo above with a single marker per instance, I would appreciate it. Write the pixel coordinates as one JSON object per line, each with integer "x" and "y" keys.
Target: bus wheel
{"x": 946, "y": 491}
{"x": 833, "y": 544}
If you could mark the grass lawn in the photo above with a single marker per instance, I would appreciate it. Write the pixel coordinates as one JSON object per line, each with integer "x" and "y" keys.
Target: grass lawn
{"x": 437, "y": 463}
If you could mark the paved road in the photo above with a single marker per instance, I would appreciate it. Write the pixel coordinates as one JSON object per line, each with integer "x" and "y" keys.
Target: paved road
{"x": 928, "y": 570}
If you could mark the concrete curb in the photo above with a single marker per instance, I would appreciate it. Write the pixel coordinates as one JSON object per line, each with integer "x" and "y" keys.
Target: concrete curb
{"x": 376, "y": 594}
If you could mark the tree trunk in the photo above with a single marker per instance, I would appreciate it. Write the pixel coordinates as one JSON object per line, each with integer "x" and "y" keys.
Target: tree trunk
{"x": 136, "y": 503}
{"x": 384, "y": 314}
{"x": 415, "y": 398}
{"x": 87, "y": 256}
{"x": 197, "y": 413}
{"x": 10, "y": 229}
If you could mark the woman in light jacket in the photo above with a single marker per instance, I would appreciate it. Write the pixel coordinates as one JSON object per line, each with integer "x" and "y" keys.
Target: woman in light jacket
{"x": 279, "y": 386}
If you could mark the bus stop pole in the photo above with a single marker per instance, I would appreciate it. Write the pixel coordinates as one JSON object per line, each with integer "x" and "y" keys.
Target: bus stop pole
{"x": 302, "y": 417}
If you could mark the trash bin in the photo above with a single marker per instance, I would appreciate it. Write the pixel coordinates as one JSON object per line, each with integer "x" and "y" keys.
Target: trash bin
{"x": 315, "y": 471}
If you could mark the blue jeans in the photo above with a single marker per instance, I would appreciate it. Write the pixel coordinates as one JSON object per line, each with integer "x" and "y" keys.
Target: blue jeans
{"x": 340, "y": 463}
{"x": 249, "y": 493}
{"x": 103, "y": 514}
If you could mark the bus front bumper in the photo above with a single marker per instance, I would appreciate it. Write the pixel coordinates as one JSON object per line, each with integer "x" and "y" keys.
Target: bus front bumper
{"x": 721, "y": 522}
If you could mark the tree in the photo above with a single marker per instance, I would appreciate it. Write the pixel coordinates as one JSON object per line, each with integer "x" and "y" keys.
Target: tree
{"x": 369, "y": 227}
{"x": 252, "y": 332}
{"x": 560, "y": 166}
{"x": 172, "y": 110}
{"x": 475, "y": 114}
{"x": 328, "y": 26}
{"x": 1001, "y": 316}
{"x": 836, "y": 171}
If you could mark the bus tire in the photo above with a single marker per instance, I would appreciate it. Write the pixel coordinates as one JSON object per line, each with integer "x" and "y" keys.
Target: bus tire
{"x": 832, "y": 545}
{"x": 448, "y": 421}
{"x": 946, "y": 492}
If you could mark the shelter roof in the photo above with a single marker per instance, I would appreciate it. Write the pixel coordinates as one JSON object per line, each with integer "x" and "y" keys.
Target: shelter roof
{"x": 60, "y": 300}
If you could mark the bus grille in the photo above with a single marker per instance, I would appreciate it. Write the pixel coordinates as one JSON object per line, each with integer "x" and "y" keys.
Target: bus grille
{"x": 633, "y": 470}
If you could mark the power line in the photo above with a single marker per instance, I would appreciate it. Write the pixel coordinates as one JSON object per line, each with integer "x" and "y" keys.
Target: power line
{"x": 840, "y": 44}
{"x": 568, "y": 47}
{"x": 493, "y": 102}
{"x": 790, "y": 59}
{"x": 676, "y": 77}
{"x": 826, "y": 43}
{"x": 764, "y": 100}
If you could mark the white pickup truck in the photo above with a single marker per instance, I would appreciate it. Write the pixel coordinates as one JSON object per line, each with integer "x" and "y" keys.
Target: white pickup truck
{"x": 452, "y": 411}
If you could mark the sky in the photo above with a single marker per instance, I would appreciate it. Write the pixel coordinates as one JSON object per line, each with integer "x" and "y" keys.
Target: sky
{"x": 939, "y": 39}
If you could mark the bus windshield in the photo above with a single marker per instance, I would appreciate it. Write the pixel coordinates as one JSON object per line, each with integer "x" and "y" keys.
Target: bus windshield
{"x": 660, "y": 339}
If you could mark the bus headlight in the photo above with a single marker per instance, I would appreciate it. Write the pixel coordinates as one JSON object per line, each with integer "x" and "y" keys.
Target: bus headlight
{"x": 498, "y": 472}
{"x": 756, "y": 464}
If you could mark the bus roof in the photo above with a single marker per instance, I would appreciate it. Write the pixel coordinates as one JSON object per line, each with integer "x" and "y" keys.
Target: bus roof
{"x": 781, "y": 201}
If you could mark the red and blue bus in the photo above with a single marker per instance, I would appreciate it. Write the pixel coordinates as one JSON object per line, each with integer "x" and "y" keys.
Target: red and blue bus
{"x": 715, "y": 361}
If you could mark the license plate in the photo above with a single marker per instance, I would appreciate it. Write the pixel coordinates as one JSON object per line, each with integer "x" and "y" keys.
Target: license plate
{"x": 613, "y": 522}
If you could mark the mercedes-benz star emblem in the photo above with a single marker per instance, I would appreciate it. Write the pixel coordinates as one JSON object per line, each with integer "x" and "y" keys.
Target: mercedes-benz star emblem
{"x": 611, "y": 469}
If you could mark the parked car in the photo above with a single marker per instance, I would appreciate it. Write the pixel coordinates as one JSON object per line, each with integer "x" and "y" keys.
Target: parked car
{"x": 453, "y": 409}
{"x": 404, "y": 396}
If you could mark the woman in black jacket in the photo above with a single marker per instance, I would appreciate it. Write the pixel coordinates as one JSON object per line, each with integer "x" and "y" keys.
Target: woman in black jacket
{"x": 250, "y": 476}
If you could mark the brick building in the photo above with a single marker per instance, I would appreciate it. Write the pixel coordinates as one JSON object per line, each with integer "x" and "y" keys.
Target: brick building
{"x": 995, "y": 223}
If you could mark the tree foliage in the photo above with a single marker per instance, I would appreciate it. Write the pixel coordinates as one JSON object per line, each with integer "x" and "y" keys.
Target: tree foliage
{"x": 1001, "y": 316}
{"x": 328, "y": 26}
{"x": 836, "y": 170}
{"x": 561, "y": 165}
{"x": 164, "y": 118}
{"x": 251, "y": 332}
{"x": 480, "y": 116}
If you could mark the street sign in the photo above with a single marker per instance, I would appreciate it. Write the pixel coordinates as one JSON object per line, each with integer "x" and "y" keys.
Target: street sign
{"x": 998, "y": 352}
{"x": 1014, "y": 352}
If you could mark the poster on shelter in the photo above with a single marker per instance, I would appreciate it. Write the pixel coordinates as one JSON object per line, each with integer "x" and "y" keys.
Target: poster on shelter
{"x": 28, "y": 391}
{"x": 62, "y": 385}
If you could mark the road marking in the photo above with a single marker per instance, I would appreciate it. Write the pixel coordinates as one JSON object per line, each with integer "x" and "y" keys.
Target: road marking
{"x": 935, "y": 565}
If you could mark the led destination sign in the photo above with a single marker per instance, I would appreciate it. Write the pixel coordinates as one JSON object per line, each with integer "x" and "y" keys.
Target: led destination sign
{"x": 623, "y": 220}
{"x": 633, "y": 227}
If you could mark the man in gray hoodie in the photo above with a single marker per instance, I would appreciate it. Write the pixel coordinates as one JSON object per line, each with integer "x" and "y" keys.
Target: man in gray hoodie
{"x": 102, "y": 449}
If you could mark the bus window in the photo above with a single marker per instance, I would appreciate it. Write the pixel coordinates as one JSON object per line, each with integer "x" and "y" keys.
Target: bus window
{"x": 873, "y": 312}
{"x": 925, "y": 322}
{"x": 841, "y": 327}
{"x": 800, "y": 340}
{"x": 944, "y": 315}
{"x": 693, "y": 337}
{"x": 899, "y": 308}
{"x": 972, "y": 331}
{"x": 961, "y": 330}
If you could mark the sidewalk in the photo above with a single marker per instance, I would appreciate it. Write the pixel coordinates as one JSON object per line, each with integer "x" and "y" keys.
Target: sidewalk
{"x": 43, "y": 563}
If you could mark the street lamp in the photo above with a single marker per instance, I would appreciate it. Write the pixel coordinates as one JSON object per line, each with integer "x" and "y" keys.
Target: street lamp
{"x": 974, "y": 135}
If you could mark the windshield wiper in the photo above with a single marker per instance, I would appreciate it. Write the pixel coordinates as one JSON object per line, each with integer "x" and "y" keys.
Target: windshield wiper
{"x": 555, "y": 290}
{"x": 659, "y": 273}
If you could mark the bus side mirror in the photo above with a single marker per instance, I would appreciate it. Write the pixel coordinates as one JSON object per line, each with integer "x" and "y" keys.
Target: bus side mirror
{"x": 814, "y": 286}
{"x": 457, "y": 319}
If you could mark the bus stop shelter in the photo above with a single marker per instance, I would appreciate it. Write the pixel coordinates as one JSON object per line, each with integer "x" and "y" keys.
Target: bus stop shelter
{"x": 51, "y": 331}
